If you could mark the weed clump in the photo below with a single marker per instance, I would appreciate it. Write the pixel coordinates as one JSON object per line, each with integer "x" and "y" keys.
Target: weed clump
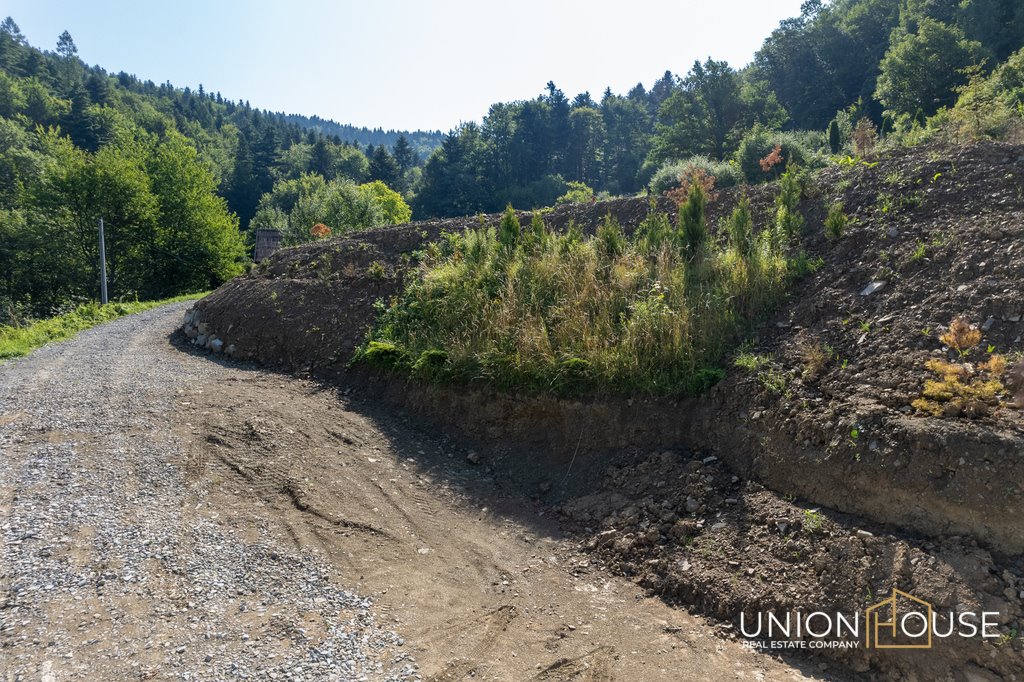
{"x": 384, "y": 355}
{"x": 376, "y": 270}
{"x": 813, "y": 354}
{"x": 961, "y": 336}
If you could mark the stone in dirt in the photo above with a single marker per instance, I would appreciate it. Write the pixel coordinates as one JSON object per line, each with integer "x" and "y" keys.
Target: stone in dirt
{"x": 873, "y": 287}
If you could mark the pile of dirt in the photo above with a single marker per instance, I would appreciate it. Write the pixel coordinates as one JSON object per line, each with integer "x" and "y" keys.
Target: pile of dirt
{"x": 310, "y": 306}
{"x": 820, "y": 411}
{"x": 943, "y": 229}
{"x": 691, "y": 531}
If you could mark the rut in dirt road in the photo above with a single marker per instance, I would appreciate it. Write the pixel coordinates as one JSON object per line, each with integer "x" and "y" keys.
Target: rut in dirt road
{"x": 167, "y": 516}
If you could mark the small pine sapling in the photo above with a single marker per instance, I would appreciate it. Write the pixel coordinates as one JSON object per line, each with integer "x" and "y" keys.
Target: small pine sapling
{"x": 692, "y": 223}
{"x": 836, "y": 221}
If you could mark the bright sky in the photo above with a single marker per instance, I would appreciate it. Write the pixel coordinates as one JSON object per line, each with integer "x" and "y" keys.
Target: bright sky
{"x": 401, "y": 64}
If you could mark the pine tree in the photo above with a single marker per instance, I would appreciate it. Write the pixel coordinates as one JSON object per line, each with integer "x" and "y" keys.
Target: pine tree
{"x": 692, "y": 223}
{"x": 66, "y": 46}
{"x": 9, "y": 28}
{"x": 509, "y": 230}
{"x": 67, "y": 50}
{"x": 320, "y": 160}
{"x": 741, "y": 228}
{"x": 243, "y": 191}
{"x": 834, "y": 138}
{"x": 404, "y": 154}
{"x": 383, "y": 166}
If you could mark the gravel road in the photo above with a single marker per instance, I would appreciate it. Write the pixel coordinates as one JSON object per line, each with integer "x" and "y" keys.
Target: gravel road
{"x": 112, "y": 568}
{"x": 166, "y": 515}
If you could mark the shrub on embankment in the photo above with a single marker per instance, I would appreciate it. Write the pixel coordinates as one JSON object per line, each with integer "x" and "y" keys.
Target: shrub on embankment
{"x": 529, "y": 308}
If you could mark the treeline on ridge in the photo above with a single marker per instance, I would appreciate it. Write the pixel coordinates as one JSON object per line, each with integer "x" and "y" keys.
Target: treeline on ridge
{"x": 182, "y": 176}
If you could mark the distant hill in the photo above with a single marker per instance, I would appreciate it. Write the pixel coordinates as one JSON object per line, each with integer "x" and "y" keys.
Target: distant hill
{"x": 248, "y": 148}
{"x": 422, "y": 141}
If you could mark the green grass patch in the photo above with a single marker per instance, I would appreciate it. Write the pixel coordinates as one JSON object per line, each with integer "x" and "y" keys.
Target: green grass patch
{"x": 18, "y": 340}
{"x": 752, "y": 362}
{"x": 526, "y": 308}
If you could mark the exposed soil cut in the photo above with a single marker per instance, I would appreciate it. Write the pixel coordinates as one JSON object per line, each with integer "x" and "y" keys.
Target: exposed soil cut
{"x": 694, "y": 533}
{"x": 937, "y": 231}
{"x": 481, "y": 582}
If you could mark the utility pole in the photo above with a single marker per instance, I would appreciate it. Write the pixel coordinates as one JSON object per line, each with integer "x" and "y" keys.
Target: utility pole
{"x": 103, "y": 266}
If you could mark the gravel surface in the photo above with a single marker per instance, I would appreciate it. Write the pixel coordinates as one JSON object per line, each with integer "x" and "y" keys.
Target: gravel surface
{"x": 114, "y": 567}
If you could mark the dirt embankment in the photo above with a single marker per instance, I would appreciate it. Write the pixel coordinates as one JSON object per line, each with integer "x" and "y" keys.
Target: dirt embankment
{"x": 930, "y": 505}
{"x": 308, "y": 307}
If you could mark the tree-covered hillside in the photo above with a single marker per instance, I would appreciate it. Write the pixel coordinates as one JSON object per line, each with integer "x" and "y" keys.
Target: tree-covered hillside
{"x": 423, "y": 142}
{"x": 182, "y": 175}
{"x": 177, "y": 175}
{"x": 892, "y": 62}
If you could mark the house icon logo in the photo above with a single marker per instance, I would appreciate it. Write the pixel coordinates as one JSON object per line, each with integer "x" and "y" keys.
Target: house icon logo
{"x": 902, "y": 621}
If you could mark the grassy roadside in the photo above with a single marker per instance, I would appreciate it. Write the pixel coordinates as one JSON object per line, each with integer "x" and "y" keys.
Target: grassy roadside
{"x": 22, "y": 340}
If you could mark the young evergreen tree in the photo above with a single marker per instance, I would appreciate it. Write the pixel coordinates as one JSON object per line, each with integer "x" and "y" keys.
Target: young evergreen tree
{"x": 835, "y": 141}
{"x": 692, "y": 222}
{"x": 405, "y": 155}
{"x": 741, "y": 228}
{"x": 509, "y": 230}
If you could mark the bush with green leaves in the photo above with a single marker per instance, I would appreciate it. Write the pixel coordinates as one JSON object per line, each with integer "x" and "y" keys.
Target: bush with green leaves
{"x": 804, "y": 148}
{"x": 725, "y": 173}
{"x": 578, "y": 193}
{"x": 295, "y": 206}
{"x": 989, "y": 106}
{"x": 566, "y": 313}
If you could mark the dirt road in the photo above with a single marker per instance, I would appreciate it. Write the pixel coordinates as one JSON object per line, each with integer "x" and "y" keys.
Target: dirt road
{"x": 167, "y": 516}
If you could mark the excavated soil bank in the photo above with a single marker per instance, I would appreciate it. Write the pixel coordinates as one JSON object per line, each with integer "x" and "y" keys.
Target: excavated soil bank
{"x": 941, "y": 227}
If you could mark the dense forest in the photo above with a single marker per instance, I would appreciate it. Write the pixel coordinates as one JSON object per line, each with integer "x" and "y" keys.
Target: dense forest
{"x": 182, "y": 176}
{"x": 892, "y": 62}
{"x": 423, "y": 142}
{"x": 177, "y": 174}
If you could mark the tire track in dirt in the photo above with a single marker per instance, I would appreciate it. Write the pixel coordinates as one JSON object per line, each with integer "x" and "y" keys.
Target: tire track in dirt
{"x": 480, "y": 582}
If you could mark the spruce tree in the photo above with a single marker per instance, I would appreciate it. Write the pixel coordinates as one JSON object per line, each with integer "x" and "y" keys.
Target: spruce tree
{"x": 835, "y": 141}
{"x": 741, "y": 228}
{"x": 509, "y": 229}
{"x": 692, "y": 223}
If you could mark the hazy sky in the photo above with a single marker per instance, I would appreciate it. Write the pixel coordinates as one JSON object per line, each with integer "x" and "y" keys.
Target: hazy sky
{"x": 397, "y": 63}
